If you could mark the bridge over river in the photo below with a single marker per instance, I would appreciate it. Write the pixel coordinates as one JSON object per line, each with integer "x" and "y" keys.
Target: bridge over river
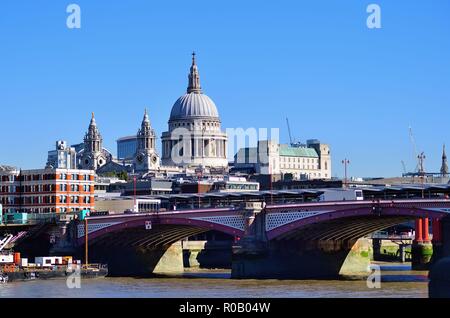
{"x": 295, "y": 241}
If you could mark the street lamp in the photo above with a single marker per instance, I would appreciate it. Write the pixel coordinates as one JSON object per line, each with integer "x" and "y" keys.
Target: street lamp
{"x": 345, "y": 162}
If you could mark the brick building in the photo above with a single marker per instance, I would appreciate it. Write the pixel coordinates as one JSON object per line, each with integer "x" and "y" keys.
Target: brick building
{"x": 46, "y": 190}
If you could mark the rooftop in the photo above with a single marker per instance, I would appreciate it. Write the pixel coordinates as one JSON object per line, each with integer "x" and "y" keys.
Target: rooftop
{"x": 127, "y": 138}
{"x": 286, "y": 194}
{"x": 287, "y": 151}
{"x": 7, "y": 168}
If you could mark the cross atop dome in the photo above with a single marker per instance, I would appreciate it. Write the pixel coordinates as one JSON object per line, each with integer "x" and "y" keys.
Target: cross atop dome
{"x": 194, "y": 77}
{"x": 93, "y": 123}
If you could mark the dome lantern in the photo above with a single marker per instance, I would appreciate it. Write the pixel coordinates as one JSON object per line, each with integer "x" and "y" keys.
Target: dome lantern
{"x": 194, "y": 78}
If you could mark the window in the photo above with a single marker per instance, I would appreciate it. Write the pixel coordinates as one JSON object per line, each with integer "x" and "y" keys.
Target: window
{"x": 74, "y": 199}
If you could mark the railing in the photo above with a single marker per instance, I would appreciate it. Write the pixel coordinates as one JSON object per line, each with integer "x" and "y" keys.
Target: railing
{"x": 94, "y": 266}
{"x": 11, "y": 268}
{"x": 386, "y": 236}
{"x": 35, "y": 218}
{"x": 412, "y": 203}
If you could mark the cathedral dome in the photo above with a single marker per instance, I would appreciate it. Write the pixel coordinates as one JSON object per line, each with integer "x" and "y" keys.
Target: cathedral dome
{"x": 204, "y": 144}
{"x": 194, "y": 105}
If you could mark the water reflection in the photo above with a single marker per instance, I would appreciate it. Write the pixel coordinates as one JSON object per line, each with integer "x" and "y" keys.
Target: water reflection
{"x": 396, "y": 282}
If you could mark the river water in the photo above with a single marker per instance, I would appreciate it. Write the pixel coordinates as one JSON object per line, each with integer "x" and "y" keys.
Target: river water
{"x": 396, "y": 282}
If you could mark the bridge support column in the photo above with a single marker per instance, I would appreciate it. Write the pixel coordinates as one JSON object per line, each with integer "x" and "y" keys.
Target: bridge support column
{"x": 207, "y": 254}
{"x": 253, "y": 245}
{"x": 438, "y": 251}
{"x": 439, "y": 285}
{"x": 441, "y": 239}
{"x": 171, "y": 262}
{"x": 402, "y": 252}
{"x": 422, "y": 248}
{"x": 296, "y": 260}
{"x": 376, "y": 245}
{"x": 139, "y": 261}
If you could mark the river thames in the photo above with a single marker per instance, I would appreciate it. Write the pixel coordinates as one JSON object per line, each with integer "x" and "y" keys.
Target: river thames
{"x": 396, "y": 282}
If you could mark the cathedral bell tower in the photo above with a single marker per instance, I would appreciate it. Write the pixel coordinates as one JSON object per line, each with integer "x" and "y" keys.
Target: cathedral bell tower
{"x": 146, "y": 158}
{"x": 93, "y": 156}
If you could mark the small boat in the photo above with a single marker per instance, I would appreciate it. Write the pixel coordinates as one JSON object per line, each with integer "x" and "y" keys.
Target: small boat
{"x": 29, "y": 274}
{"x": 3, "y": 278}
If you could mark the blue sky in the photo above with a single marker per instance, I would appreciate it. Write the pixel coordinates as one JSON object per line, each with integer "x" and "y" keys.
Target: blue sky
{"x": 315, "y": 62}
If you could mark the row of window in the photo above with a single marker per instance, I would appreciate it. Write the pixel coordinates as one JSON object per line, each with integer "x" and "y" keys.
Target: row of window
{"x": 313, "y": 175}
{"x": 46, "y": 200}
{"x": 74, "y": 199}
{"x": 299, "y": 160}
{"x": 45, "y": 210}
{"x": 84, "y": 177}
{"x": 74, "y": 188}
{"x": 191, "y": 125}
{"x": 45, "y": 188}
{"x": 296, "y": 166}
{"x": 237, "y": 186}
{"x": 43, "y": 177}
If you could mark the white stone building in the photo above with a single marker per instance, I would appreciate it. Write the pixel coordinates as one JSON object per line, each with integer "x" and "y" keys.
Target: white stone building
{"x": 63, "y": 157}
{"x": 93, "y": 156}
{"x": 194, "y": 138}
{"x": 312, "y": 161}
{"x": 146, "y": 157}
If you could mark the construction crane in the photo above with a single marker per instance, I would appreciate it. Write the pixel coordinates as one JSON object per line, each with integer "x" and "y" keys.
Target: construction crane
{"x": 290, "y": 132}
{"x": 292, "y": 141}
{"x": 416, "y": 155}
{"x": 405, "y": 171}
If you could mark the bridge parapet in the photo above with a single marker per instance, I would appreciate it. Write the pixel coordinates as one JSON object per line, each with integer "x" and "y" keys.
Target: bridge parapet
{"x": 279, "y": 218}
{"x": 226, "y": 220}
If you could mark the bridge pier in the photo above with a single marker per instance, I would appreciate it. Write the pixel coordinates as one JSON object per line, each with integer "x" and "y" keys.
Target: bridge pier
{"x": 422, "y": 248}
{"x": 294, "y": 260}
{"x": 255, "y": 257}
{"x": 402, "y": 252}
{"x": 439, "y": 285}
{"x": 139, "y": 261}
{"x": 207, "y": 254}
{"x": 376, "y": 245}
{"x": 441, "y": 239}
